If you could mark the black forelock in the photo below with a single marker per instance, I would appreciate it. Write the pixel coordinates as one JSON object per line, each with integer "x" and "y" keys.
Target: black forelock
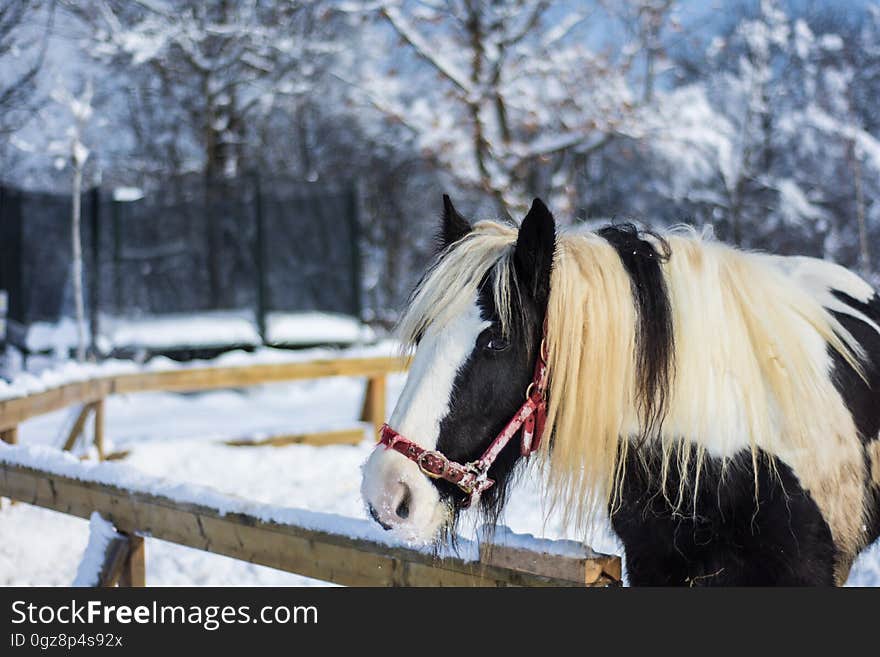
{"x": 655, "y": 342}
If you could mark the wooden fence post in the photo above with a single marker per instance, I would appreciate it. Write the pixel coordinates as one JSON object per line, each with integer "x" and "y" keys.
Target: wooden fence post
{"x": 374, "y": 403}
{"x": 99, "y": 428}
{"x": 134, "y": 570}
{"x": 114, "y": 562}
{"x": 107, "y": 573}
{"x": 10, "y": 436}
{"x": 78, "y": 426}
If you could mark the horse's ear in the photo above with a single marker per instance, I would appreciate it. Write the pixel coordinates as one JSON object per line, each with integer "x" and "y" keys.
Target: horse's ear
{"x": 454, "y": 226}
{"x": 533, "y": 256}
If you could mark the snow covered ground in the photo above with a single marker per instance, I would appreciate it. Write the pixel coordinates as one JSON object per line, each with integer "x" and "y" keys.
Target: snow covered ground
{"x": 204, "y": 330}
{"x": 179, "y": 437}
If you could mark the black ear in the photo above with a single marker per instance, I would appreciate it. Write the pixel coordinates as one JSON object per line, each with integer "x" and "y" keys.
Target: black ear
{"x": 454, "y": 226}
{"x": 533, "y": 257}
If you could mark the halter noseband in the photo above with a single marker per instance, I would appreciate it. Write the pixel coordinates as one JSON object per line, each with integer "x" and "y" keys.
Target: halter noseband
{"x": 472, "y": 477}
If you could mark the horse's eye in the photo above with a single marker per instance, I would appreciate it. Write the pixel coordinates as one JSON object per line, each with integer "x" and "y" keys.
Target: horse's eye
{"x": 497, "y": 344}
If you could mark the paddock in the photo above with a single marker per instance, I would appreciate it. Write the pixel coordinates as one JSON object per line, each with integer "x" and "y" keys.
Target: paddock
{"x": 322, "y": 546}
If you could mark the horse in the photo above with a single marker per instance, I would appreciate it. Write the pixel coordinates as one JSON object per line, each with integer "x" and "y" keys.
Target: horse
{"x": 720, "y": 406}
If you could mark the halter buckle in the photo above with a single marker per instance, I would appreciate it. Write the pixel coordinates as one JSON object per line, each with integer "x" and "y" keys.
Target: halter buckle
{"x": 432, "y": 453}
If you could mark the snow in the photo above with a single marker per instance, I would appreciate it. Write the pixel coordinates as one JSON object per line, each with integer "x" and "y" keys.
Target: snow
{"x": 425, "y": 49}
{"x": 315, "y": 328}
{"x": 101, "y": 533}
{"x": 182, "y": 331}
{"x": 504, "y": 536}
{"x": 794, "y": 206}
{"x": 803, "y": 38}
{"x": 203, "y": 330}
{"x": 831, "y": 42}
{"x": 55, "y": 337}
{"x": 694, "y": 139}
{"x": 127, "y": 194}
{"x": 29, "y": 383}
{"x": 80, "y": 153}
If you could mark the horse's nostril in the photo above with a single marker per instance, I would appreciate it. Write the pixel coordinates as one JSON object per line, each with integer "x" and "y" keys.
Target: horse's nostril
{"x": 375, "y": 517}
{"x": 402, "y": 510}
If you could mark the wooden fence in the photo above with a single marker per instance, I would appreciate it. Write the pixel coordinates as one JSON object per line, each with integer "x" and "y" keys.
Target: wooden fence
{"x": 321, "y": 554}
{"x": 92, "y": 393}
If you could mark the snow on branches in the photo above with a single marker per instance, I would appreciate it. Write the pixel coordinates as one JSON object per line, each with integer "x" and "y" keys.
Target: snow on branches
{"x": 500, "y": 94}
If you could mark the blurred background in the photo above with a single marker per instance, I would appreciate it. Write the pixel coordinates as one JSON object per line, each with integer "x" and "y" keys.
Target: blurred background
{"x": 187, "y": 177}
{"x": 189, "y": 180}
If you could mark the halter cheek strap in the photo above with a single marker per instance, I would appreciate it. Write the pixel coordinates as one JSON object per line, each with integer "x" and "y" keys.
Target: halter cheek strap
{"x": 472, "y": 478}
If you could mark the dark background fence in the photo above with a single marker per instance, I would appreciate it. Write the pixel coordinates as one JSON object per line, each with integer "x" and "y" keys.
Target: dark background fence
{"x": 191, "y": 245}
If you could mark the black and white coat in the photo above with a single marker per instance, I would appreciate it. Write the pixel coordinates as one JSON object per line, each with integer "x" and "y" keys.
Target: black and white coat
{"x": 722, "y": 406}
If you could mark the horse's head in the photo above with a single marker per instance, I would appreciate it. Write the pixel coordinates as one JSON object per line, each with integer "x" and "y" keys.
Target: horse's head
{"x": 476, "y": 323}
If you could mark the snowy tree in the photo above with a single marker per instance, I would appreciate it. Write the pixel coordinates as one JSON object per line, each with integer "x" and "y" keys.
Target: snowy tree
{"x": 502, "y": 95}
{"x": 729, "y": 125}
{"x": 22, "y": 52}
{"x": 767, "y": 140}
{"x": 207, "y": 73}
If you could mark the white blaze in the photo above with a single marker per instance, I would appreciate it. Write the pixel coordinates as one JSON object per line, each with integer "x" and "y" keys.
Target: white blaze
{"x": 427, "y": 394}
{"x": 388, "y": 476}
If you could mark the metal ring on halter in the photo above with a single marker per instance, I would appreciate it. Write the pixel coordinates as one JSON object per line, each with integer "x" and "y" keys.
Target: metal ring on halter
{"x": 542, "y": 351}
{"x": 478, "y": 470}
{"x": 439, "y": 456}
{"x": 529, "y": 390}
{"x": 467, "y": 488}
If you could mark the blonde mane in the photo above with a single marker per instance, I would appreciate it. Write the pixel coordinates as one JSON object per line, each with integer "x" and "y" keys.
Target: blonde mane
{"x": 751, "y": 368}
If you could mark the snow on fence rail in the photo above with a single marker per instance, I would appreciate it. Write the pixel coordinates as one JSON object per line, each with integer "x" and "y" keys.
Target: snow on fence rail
{"x": 318, "y": 545}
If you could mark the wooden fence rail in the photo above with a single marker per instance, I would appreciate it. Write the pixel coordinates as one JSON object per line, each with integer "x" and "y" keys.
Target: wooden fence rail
{"x": 319, "y": 553}
{"x": 92, "y": 393}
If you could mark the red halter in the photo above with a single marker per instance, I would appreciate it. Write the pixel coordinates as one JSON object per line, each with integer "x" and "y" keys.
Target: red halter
{"x": 472, "y": 477}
